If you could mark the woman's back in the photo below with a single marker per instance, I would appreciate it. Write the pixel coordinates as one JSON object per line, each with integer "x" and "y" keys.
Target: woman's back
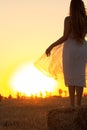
{"x": 72, "y": 31}
{"x": 78, "y": 19}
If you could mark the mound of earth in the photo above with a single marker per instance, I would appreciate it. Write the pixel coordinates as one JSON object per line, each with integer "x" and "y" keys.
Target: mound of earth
{"x": 67, "y": 119}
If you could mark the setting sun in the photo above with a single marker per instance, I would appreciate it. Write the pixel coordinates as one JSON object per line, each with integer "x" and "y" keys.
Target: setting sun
{"x": 27, "y": 79}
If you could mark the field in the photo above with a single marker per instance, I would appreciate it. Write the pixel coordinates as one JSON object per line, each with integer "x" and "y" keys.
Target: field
{"x": 29, "y": 114}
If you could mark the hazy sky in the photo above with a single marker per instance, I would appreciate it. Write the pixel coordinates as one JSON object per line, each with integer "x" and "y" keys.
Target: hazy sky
{"x": 27, "y": 27}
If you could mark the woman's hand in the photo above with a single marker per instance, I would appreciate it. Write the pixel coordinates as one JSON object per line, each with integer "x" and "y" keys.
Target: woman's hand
{"x": 48, "y": 51}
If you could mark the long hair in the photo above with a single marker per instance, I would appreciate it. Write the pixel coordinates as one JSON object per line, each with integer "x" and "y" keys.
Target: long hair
{"x": 78, "y": 18}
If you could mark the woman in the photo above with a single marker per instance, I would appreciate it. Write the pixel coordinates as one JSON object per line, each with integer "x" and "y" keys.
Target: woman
{"x": 74, "y": 51}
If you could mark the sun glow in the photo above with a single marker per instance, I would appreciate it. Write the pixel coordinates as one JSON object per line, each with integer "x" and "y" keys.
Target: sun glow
{"x": 29, "y": 80}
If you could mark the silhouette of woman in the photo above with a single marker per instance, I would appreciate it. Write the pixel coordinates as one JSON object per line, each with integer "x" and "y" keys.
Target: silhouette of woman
{"x": 74, "y": 50}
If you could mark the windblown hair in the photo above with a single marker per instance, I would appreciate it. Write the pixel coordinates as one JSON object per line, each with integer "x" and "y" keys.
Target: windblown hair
{"x": 78, "y": 18}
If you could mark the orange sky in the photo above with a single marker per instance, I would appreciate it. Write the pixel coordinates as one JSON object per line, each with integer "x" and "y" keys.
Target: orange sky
{"x": 27, "y": 27}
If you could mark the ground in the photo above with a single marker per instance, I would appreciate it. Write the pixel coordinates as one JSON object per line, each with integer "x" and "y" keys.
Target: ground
{"x": 29, "y": 114}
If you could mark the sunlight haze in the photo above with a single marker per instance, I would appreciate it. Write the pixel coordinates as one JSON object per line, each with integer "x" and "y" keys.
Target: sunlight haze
{"x": 27, "y": 28}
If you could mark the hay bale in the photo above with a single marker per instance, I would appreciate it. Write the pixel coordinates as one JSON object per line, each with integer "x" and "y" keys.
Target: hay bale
{"x": 67, "y": 119}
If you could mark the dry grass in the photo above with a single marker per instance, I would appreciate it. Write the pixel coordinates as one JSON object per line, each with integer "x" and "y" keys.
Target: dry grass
{"x": 30, "y": 114}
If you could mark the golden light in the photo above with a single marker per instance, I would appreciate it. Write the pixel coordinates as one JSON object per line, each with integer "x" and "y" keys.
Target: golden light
{"x": 29, "y": 80}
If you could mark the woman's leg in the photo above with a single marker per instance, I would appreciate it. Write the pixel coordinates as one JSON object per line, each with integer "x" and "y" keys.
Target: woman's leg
{"x": 72, "y": 95}
{"x": 79, "y": 92}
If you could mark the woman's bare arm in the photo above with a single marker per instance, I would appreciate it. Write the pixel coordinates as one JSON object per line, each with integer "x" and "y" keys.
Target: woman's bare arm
{"x": 66, "y": 33}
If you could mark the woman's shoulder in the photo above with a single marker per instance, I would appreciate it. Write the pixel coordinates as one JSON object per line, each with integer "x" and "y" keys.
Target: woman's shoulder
{"x": 86, "y": 18}
{"x": 68, "y": 19}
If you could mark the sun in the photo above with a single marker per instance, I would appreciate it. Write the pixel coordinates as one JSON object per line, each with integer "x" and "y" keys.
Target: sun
{"x": 29, "y": 80}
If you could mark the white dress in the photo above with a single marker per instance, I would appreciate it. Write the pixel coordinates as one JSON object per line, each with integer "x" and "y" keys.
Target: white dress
{"x": 74, "y": 62}
{"x": 67, "y": 62}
